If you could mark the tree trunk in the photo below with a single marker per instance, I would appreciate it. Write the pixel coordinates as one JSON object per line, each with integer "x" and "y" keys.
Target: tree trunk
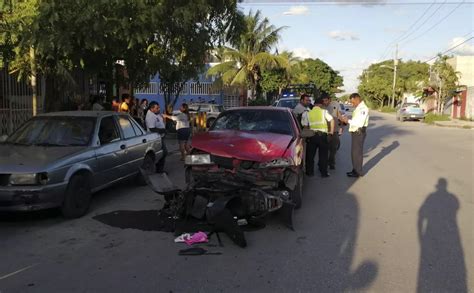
{"x": 34, "y": 95}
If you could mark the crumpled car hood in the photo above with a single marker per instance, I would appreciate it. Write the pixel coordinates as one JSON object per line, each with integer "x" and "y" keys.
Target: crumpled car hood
{"x": 243, "y": 145}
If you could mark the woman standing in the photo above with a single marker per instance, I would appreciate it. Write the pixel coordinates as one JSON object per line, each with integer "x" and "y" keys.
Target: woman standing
{"x": 183, "y": 129}
{"x": 141, "y": 111}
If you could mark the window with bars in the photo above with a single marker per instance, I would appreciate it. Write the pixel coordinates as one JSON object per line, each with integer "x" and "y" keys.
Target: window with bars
{"x": 203, "y": 88}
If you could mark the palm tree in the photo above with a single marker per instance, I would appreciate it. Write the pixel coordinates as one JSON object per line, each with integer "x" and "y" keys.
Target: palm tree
{"x": 243, "y": 62}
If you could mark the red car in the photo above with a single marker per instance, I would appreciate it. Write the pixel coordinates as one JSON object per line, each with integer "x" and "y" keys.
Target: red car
{"x": 252, "y": 154}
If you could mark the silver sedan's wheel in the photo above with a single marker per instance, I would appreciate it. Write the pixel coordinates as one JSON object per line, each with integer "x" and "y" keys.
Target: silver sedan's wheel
{"x": 78, "y": 197}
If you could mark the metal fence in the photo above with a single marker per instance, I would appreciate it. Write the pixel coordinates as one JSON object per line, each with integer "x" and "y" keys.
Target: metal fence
{"x": 16, "y": 103}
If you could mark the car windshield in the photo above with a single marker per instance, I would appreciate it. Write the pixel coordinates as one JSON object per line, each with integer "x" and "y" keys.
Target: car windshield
{"x": 55, "y": 131}
{"x": 255, "y": 120}
{"x": 291, "y": 103}
{"x": 218, "y": 108}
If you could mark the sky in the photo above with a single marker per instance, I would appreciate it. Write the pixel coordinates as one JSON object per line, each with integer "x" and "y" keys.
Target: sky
{"x": 351, "y": 35}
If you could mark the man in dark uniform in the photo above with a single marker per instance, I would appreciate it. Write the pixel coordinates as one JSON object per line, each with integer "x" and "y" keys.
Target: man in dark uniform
{"x": 357, "y": 128}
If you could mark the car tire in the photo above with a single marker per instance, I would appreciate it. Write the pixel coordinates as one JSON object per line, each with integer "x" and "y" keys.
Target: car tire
{"x": 297, "y": 195}
{"x": 402, "y": 119}
{"x": 148, "y": 166}
{"x": 77, "y": 197}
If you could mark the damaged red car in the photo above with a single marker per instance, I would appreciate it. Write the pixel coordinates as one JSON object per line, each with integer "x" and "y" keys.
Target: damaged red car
{"x": 251, "y": 159}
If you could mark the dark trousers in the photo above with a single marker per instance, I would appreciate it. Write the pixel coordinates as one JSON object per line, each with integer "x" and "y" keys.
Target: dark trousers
{"x": 161, "y": 163}
{"x": 333, "y": 144}
{"x": 317, "y": 143}
{"x": 357, "y": 150}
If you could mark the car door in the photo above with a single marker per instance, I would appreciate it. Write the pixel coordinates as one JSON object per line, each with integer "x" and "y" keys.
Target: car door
{"x": 135, "y": 141}
{"x": 112, "y": 152}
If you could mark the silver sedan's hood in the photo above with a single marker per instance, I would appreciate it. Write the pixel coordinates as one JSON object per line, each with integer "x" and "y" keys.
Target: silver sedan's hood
{"x": 32, "y": 159}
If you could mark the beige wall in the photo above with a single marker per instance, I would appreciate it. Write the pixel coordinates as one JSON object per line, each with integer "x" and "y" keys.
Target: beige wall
{"x": 465, "y": 66}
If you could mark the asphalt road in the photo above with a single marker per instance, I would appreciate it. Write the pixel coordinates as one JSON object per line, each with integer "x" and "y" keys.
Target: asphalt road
{"x": 407, "y": 225}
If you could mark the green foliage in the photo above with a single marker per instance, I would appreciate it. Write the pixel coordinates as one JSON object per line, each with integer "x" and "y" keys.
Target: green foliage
{"x": 388, "y": 109}
{"x": 149, "y": 36}
{"x": 430, "y": 118}
{"x": 243, "y": 63}
{"x": 444, "y": 81}
{"x": 319, "y": 73}
{"x": 377, "y": 80}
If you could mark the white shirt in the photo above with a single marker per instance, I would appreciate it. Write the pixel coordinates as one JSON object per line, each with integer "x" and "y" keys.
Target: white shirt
{"x": 299, "y": 109}
{"x": 360, "y": 117}
{"x": 305, "y": 118}
{"x": 181, "y": 120}
{"x": 153, "y": 120}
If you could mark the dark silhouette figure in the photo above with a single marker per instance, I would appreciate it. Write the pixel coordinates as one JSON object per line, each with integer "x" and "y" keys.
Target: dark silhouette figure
{"x": 382, "y": 154}
{"x": 442, "y": 267}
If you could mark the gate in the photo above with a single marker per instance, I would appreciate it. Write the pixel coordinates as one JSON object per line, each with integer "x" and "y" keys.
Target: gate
{"x": 16, "y": 105}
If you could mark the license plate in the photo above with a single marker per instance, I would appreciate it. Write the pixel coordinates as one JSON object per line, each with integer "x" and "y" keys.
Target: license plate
{"x": 413, "y": 116}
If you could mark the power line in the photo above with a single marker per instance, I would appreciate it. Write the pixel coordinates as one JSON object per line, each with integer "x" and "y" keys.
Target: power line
{"x": 450, "y": 49}
{"x": 426, "y": 20}
{"x": 384, "y": 54}
{"x": 435, "y": 25}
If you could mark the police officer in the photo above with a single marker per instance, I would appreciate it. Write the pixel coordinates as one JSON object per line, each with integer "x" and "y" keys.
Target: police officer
{"x": 333, "y": 108}
{"x": 301, "y": 107}
{"x": 358, "y": 129}
{"x": 322, "y": 123}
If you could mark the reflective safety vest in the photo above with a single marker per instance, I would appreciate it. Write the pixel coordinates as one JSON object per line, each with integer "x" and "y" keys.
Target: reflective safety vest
{"x": 317, "y": 121}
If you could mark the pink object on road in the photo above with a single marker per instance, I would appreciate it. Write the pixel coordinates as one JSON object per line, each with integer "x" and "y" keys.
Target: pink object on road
{"x": 199, "y": 237}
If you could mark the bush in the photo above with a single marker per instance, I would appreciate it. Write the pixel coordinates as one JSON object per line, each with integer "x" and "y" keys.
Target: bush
{"x": 430, "y": 118}
{"x": 388, "y": 109}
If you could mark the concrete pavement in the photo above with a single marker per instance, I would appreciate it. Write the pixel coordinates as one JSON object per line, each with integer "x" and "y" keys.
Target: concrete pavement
{"x": 406, "y": 225}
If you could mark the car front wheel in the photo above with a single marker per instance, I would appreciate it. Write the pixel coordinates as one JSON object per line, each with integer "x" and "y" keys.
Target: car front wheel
{"x": 78, "y": 197}
{"x": 296, "y": 195}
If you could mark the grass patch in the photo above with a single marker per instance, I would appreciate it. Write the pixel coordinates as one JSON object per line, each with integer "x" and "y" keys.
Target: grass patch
{"x": 431, "y": 118}
{"x": 387, "y": 109}
{"x": 467, "y": 127}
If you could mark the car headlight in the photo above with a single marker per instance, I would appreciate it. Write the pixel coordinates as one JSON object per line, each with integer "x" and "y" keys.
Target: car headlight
{"x": 277, "y": 163}
{"x": 200, "y": 159}
{"x": 29, "y": 179}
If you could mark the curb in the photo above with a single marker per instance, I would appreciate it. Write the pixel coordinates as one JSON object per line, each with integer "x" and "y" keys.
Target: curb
{"x": 453, "y": 126}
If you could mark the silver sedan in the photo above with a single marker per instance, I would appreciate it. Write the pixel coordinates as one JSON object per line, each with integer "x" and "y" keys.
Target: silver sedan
{"x": 60, "y": 159}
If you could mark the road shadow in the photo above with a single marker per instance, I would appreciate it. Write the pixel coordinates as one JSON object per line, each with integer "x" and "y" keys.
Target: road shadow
{"x": 376, "y": 135}
{"x": 378, "y": 157}
{"x": 442, "y": 267}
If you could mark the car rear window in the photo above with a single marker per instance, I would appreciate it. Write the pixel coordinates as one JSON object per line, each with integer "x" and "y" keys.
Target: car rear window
{"x": 412, "y": 105}
{"x": 255, "y": 120}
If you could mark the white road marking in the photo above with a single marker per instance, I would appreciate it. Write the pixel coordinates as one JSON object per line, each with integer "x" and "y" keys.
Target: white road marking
{"x": 17, "y": 272}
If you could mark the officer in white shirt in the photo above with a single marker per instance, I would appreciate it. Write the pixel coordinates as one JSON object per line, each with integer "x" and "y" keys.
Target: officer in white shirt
{"x": 301, "y": 107}
{"x": 358, "y": 129}
{"x": 154, "y": 123}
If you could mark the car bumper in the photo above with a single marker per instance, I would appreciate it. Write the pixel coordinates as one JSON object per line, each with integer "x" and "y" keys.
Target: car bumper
{"x": 413, "y": 116}
{"x": 29, "y": 198}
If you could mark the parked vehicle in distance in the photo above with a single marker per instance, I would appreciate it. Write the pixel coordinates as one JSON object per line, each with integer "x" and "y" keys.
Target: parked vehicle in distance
{"x": 212, "y": 112}
{"x": 287, "y": 102}
{"x": 60, "y": 159}
{"x": 410, "y": 111}
{"x": 255, "y": 155}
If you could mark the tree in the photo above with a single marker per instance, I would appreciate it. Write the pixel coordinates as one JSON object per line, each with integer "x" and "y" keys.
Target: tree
{"x": 147, "y": 36}
{"x": 444, "y": 82}
{"x": 376, "y": 81}
{"x": 274, "y": 80}
{"x": 319, "y": 73}
{"x": 243, "y": 63}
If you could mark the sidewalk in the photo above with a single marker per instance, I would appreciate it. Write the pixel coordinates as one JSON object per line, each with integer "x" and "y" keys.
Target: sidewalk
{"x": 456, "y": 123}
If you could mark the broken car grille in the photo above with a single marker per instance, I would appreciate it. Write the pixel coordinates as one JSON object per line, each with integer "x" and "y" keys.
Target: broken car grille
{"x": 223, "y": 162}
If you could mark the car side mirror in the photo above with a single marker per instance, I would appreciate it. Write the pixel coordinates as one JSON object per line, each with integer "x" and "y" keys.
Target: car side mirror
{"x": 3, "y": 138}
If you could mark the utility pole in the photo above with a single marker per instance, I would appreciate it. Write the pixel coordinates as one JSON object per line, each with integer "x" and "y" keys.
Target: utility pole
{"x": 395, "y": 63}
